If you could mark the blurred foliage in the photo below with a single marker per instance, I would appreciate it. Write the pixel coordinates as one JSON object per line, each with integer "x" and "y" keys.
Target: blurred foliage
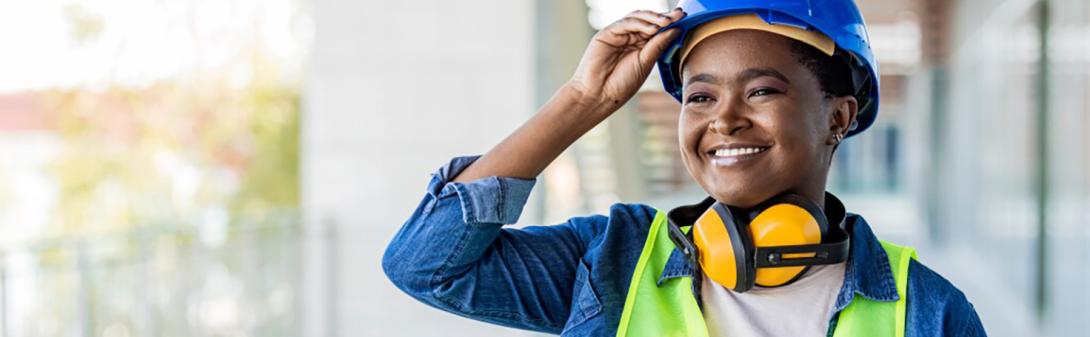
{"x": 84, "y": 25}
{"x": 192, "y": 151}
{"x": 172, "y": 175}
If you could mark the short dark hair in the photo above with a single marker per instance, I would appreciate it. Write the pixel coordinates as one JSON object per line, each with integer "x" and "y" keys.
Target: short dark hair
{"x": 832, "y": 72}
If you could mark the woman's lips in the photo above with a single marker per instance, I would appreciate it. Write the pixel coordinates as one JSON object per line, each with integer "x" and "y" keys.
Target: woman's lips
{"x": 736, "y": 155}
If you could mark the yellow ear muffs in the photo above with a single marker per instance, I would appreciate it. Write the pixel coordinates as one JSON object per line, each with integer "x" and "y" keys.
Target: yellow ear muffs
{"x": 770, "y": 245}
{"x": 722, "y": 247}
{"x": 784, "y": 224}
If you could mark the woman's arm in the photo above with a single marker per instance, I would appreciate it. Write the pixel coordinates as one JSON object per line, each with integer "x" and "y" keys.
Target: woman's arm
{"x": 453, "y": 253}
{"x": 615, "y": 64}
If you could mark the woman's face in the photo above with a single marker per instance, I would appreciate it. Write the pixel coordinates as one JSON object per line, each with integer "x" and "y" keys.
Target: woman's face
{"x": 754, "y": 120}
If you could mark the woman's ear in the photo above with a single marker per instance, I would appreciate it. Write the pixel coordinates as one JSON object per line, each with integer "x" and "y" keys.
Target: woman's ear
{"x": 844, "y": 111}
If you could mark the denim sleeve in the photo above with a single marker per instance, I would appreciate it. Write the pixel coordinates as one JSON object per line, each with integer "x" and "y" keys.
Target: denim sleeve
{"x": 937, "y": 308}
{"x": 454, "y": 254}
{"x": 971, "y": 325}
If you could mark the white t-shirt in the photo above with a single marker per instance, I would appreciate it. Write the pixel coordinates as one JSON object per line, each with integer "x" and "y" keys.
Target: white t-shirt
{"x": 802, "y": 308}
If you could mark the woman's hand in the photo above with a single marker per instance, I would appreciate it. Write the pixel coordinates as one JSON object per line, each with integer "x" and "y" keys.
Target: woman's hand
{"x": 620, "y": 57}
{"x": 614, "y": 66}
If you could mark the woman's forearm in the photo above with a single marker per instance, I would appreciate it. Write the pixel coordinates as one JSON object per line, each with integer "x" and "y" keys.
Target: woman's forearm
{"x": 529, "y": 149}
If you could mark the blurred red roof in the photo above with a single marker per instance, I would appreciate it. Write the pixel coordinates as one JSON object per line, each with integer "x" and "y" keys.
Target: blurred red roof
{"x": 22, "y": 112}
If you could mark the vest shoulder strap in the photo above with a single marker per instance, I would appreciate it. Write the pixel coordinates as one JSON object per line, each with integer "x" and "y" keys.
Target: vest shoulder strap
{"x": 653, "y": 310}
{"x": 864, "y": 317}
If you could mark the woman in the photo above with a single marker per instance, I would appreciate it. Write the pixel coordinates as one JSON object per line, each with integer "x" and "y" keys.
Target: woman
{"x": 763, "y": 109}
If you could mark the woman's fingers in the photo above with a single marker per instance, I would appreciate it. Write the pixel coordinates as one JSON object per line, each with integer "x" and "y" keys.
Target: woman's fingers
{"x": 675, "y": 14}
{"x": 621, "y": 55}
{"x": 657, "y": 45}
{"x": 652, "y": 17}
{"x": 620, "y": 30}
{"x": 660, "y": 20}
{"x": 642, "y": 23}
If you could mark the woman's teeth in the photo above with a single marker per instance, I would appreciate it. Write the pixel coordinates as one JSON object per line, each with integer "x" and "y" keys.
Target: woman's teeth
{"x": 738, "y": 151}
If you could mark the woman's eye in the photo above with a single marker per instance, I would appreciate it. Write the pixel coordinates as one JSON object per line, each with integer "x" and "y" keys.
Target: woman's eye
{"x": 763, "y": 92}
{"x": 698, "y": 99}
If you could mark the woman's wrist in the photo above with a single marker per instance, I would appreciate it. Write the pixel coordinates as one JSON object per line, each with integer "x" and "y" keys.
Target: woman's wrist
{"x": 585, "y": 100}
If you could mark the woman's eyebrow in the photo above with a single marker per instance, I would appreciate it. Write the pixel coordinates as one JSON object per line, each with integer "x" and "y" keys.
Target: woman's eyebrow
{"x": 752, "y": 73}
{"x": 703, "y": 77}
{"x": 743, "y": 77}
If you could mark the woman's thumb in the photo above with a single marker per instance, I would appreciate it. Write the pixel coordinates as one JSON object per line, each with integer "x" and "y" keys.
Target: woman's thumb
{"x": 657, "y": 45}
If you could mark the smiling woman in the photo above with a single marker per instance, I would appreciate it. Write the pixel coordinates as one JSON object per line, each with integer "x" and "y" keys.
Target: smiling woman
{"x": 769, "y": 89}
{"x": 761, "y": 124}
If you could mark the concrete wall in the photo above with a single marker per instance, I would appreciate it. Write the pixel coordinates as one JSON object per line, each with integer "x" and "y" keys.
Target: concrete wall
{"x": 395, "y": 89}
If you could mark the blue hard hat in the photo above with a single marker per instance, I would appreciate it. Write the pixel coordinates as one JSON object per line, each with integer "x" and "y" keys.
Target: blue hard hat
{"x": 840, "y": 20}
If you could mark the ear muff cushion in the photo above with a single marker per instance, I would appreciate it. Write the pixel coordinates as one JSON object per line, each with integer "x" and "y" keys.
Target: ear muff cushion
{"x": 718, "y": 240}
{"x": 783, "y": 225}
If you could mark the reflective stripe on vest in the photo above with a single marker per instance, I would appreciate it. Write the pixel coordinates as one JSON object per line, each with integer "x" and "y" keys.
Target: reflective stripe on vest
{"x": 864, "y": 317}
{"x": 671, "y": 309}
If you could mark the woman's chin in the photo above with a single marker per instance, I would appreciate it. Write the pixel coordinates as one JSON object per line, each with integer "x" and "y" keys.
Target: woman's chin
{"x": 737, "y": 190}
{"x": 743, "y": 198}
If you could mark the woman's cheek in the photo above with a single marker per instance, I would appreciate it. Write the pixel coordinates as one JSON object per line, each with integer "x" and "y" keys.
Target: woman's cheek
{"x": 689, "y": 137}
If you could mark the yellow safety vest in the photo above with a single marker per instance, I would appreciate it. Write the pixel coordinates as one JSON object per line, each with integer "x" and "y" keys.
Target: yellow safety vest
{"x": 671, "y": 309}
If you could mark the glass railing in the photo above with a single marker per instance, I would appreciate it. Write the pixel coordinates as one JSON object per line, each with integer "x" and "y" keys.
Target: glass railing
{"x": 156, "y": 281}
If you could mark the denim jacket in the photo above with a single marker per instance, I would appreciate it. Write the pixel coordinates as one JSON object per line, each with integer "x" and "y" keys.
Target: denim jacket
{"x": 454, "y": 254}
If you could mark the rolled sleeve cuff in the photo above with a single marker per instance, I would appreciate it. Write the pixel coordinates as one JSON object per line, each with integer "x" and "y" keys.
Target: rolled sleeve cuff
{"x": 494, "y": 200}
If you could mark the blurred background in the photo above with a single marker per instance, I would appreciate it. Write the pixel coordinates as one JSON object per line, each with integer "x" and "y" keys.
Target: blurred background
{"x": 236, "y": 167}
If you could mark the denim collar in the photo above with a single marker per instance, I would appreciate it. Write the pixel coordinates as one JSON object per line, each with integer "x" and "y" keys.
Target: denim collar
{"x": 867, "y": 272}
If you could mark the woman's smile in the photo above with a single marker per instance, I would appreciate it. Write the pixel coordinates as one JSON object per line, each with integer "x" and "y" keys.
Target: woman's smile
{"x": 735, "y": 154}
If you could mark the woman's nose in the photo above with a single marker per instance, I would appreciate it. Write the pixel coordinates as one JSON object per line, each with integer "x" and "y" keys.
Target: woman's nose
{"x": 729, "y": 121}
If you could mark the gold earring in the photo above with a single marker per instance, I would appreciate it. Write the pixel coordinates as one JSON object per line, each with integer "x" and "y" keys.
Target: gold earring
{"x": 839, "y": 137}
